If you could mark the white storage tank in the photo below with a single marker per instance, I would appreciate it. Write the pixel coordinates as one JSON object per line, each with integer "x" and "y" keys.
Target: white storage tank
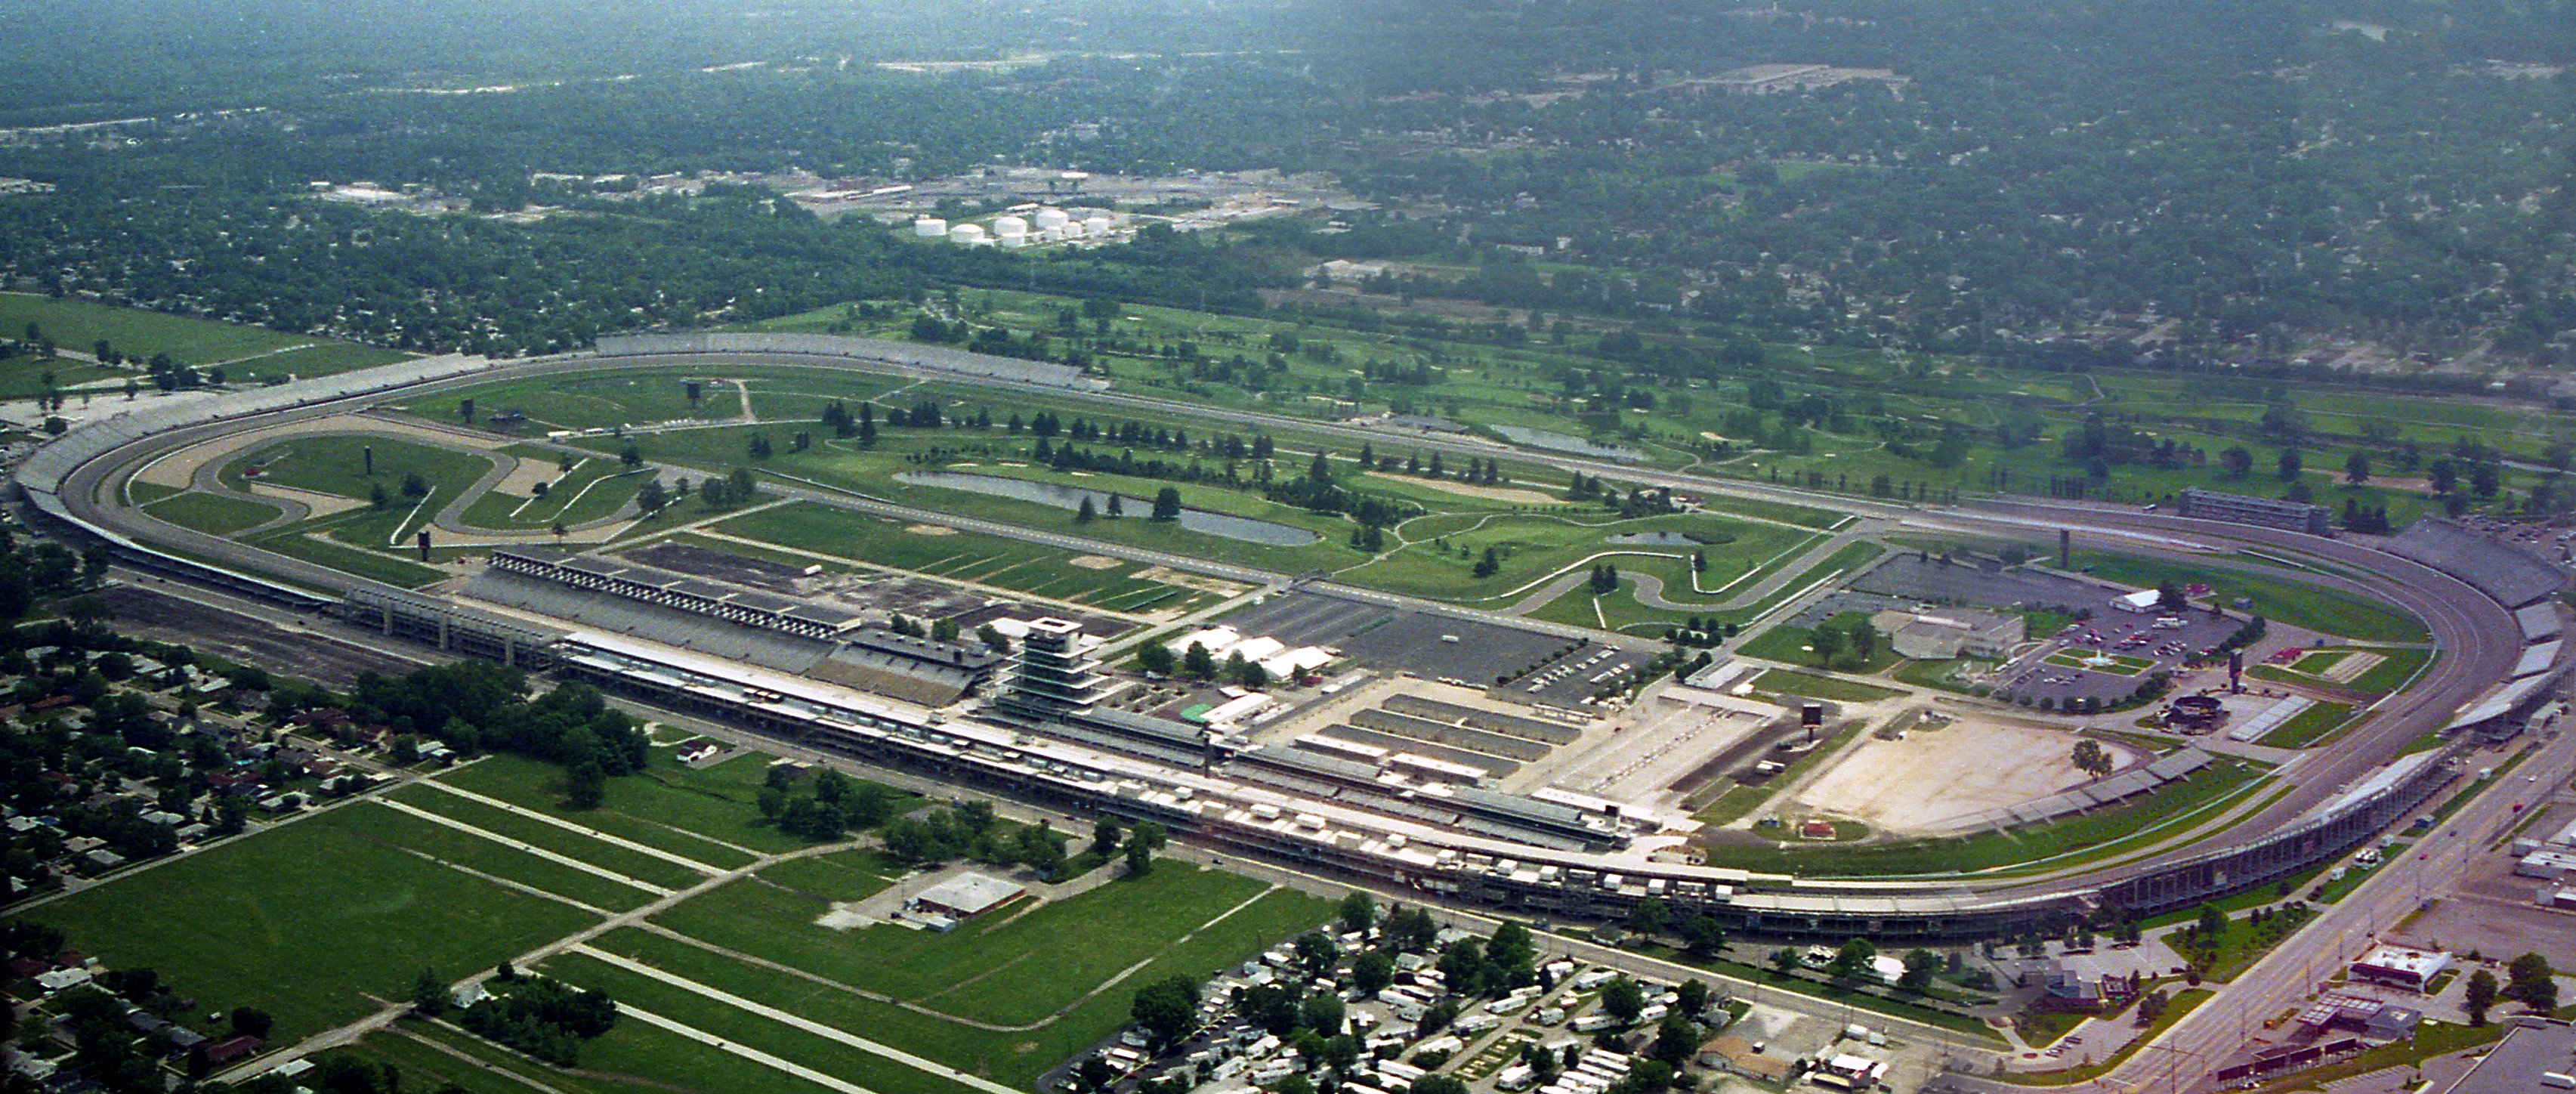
{"x": 1049, "y": 219}
{"x": 1095, "y": 226}
{"x": 1006, "y": 227}
{"x": 966, "y": 235}
{"x": 1012, "y": 241}
{"x": 929, "y": 227}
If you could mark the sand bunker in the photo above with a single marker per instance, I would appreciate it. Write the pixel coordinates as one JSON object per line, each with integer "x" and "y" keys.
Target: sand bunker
{"x": 930, "y": 529}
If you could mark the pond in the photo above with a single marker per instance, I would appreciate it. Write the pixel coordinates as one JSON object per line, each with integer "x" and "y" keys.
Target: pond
{"x": 1567, "y": 442}
{"x": 1654, "y": 539}
{"x": 1264, "y": 532}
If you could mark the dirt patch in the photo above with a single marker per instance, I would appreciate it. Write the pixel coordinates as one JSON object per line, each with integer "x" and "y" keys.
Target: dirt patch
{"x": 321, "y": 504}
{"x": 525, "y": 474}
{"x": 930, "y": 529}
{"x": 1489, "y": 493}
{"x": 1931, "y": 783}
{"x": 1094, "y": 562}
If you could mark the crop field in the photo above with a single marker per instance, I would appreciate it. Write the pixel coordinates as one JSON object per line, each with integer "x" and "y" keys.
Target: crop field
{"x": 731, "y": 977}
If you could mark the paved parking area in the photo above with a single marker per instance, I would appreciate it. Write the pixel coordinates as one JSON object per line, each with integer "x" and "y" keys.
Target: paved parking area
{"x": 1440, "y": 647}
{"x": 1914, "y": 578}
{"x": 2122, "y": 634}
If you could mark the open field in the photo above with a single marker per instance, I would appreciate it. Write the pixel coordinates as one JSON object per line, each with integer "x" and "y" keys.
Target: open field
{"x": 324, "y": 919}
{"x": 336, "y": 464}
{"x": 1787, "y": 682}
{"x": 709, "y": 814}
{"x": 1039, "y": 972}
{"x": 215, "y": 514}
{"x": 238, "y": 925}
{"x": 2106, "y": 832}
{"x": 2309, "y": 726}
{"x": 1007, "y": 564}
{"x": 1930, "y": 781}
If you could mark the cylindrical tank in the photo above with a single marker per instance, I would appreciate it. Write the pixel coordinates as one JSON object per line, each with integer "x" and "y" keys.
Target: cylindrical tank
{"x": 1007, "y": 227}
{"x": 1015, "y": 240}
{"x": 1052, "y": 218}
{"x": 929, "y": 227}
{"x": 1095, "y": 226}
{"x": 966, "y": 234}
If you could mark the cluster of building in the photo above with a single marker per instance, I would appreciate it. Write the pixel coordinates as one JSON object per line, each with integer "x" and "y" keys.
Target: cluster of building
{"x": 2553, "y": 860}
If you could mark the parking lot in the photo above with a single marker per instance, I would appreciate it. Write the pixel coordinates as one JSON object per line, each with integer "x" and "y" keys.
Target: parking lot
{"x": 2127, "y": 637}
{"x": 1439, "y": 647}
{"x": 1914, "y": 578}
{"x": 1570, "y": 681}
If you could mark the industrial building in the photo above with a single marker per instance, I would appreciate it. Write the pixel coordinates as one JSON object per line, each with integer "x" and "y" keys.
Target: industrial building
{"x": 1953, "y": 633}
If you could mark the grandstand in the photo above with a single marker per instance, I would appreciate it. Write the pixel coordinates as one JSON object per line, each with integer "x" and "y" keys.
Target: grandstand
{"x": 2507, "y": 576}
{"x": 909, "y": 678}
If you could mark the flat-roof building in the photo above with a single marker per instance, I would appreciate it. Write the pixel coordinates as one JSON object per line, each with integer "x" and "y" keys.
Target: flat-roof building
{"x": 2401, "y": 965}
{"x": 2297, "y": 516}
{"x": 2537, "y": 1056}
{"x": 966, "y": 896}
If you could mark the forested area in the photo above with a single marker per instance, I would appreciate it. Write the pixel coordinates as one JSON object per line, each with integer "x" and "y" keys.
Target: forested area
{"x": 2021, "y": 171}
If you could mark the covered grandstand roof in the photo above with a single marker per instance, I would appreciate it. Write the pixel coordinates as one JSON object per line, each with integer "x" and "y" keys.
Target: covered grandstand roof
{"x": 2511, "y": 577}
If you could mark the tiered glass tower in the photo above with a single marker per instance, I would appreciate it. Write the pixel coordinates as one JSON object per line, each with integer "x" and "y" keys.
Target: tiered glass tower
{"x": 1055, "y": 679}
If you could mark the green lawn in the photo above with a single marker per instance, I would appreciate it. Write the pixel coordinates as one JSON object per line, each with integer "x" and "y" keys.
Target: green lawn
{"x": 501, "y": 822}
{"x": 214, "y": 514}
{"x": 1786, "y": 682}
{"x": 1795, "y": 645}
{"x": 1937, "y": 674}
{"x": 2309, "y": 726}
{"x": 683, "y": 810}
{"x": 1002, "y": 563}
{"x": 336, "y": 464}
{"x": 487, "y": 856}
{"x": 840, "y": 876}
{"x": 1039, "y": 965}
{"x": 756, "y": 1032}
{"x": 305, "y": 922}
{"x": 1055, "y": 953}
{"x": 379, "y": 564}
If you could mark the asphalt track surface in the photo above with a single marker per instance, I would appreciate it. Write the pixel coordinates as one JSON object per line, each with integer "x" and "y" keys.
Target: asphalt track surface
{"x": 2478, "y": 640}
